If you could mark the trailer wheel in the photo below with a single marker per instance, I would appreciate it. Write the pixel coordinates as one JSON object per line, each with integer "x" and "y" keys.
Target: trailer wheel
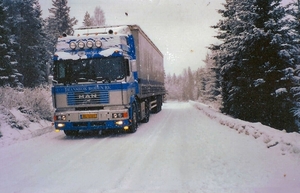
{"x": 147, "y": 112}
{"x": 134, "y": 120}
{"x": 157, "y": 109}
{"x": 71, "y": 133}
{"x": 160, "y": 102}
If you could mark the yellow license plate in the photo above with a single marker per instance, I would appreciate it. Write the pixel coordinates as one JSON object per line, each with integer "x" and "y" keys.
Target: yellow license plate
{"x": 89, "y": 116}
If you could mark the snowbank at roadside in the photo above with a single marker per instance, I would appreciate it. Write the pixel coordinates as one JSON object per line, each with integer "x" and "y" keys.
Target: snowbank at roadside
{"x": 17, "y": 126}
{"x": 282, "y": 141}
{"x": 24, "y": 113}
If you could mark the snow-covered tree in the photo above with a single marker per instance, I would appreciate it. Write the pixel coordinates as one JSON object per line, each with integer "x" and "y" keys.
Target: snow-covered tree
{"x": 170, "y": 87}
{"x": 181, "y": 87}
{"x": 208, "y": 83}
{"x": 190, "y": 84}
{"x": 293, "y": 10}
{"x": 99, "y": 17}
{"x": 254, "y": 56}
{"x": 173, "y": 84}
{"x": 87, "y": 20}
{"x": 200, "y": 79}
{"x": 8, "y": 73}
{"x": 187, "y": 84}
{"x": 59, "y": 21}
{"x": 27, "y": 37}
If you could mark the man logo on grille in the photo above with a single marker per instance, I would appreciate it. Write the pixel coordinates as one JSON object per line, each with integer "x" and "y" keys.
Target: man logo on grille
{"x": 87, "y": 96}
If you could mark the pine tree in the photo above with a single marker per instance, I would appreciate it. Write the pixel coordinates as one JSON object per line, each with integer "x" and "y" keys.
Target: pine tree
{"x": 99, "y": 17}
{"x": 209, "y": 83}
{"x": 201, "y": 84}
{"x": 170, "y": 87}
{"x": 59, "y": 21}
{"x": 190, "y": 84}
{"x": 176, "y": 87}
{"x": 7, "y": 75}
{"x": 184, "y": 86}
{"x": 87, "y": 20}
{"x": 28, "y": 39}
{"x": 253, "y": 58}
{"x": 293, "y": 10}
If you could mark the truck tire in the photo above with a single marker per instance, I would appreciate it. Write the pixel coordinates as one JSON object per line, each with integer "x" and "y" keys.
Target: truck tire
{"x": 134, "y": 120}
{"x": 71, "y": 133}
{"x": 147, "y": 112}
{"x": 158, "y": 104}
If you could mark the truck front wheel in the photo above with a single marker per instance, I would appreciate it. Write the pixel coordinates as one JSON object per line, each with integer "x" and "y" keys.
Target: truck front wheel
{"x": 147, "y": 112}
{"x": 71, "y": 133}
{"x": 134, "y": 119}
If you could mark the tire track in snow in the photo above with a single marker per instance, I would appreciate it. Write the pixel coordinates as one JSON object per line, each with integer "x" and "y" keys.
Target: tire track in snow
{"x": 146, "y": 137}
{"x": 179, "y": 150}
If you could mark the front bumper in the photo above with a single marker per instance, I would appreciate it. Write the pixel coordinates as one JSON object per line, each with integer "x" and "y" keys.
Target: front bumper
{"x": 91, "y": 120}
{"x": 92, "y": 125}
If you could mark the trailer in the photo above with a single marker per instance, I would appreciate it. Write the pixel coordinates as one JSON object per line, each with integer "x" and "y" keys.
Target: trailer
{"x": 109, "y": 77}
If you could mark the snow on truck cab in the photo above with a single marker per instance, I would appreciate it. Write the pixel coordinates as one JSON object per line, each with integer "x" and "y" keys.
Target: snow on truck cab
{"x": 108, "y": 77}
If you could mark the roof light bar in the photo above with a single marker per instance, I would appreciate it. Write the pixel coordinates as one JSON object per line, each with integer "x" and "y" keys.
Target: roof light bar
{"x": 72, "y": 45}
{"x": 89, "y": 44}
{"x": 81, "y": 44}
{"x": 98, "y": 44}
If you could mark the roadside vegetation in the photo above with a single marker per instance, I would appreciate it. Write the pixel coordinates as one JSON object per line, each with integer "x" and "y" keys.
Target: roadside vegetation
{"x": 34, "y": 103}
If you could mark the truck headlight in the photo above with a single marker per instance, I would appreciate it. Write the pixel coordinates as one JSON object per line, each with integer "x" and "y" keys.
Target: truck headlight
{"x": 61, "y": 117}
{"x": 119, "y": 122}
{"x": 119, "y": 115}
{"x": 60, "y": 125}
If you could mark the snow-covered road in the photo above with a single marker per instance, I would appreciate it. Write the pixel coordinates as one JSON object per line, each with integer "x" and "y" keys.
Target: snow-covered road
{"x": 179, "y": 150}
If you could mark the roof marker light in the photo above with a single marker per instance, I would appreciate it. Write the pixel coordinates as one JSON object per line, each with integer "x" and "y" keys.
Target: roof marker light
{"x": 81, "y": 44}
{"x": 72, "y": 45}
{"x": 89, "y": 44}
{"x": 98, "y": 44}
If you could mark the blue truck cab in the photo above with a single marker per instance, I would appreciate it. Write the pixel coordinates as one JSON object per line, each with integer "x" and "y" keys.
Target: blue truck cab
{"x": 108, "y": 77}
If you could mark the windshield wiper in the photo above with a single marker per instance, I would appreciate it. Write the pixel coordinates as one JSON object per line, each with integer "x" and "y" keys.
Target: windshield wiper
{"x": 91, "y": 80}
{"x": 81, "y": 79}
{"x": 67, "y": 82}
{"x": 103, "y": 79}
{"x": 99, "y": 78}
{"x": 120, "y": 77}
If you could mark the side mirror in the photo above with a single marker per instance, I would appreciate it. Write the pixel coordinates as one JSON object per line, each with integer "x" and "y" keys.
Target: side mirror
{"x": 51, "y": 80}
{"x": 127, "y": 67}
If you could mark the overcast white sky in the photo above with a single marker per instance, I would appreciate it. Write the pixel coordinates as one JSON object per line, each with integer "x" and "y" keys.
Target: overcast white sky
{"x": 179, "y": 28}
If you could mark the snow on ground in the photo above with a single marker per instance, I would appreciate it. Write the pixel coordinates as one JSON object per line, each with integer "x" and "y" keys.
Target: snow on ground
{"x": 180, "y": 150}
{"x": 275, "y": 139}
{"x": 23, "y": 128}
{"x": 284, "y": 142}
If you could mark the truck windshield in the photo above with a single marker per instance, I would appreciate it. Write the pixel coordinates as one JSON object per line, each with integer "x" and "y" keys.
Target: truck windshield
{"x": 89, "y": 70}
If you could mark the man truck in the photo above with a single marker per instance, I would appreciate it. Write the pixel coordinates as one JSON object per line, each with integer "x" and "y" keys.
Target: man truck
{"x": 106, "y": 78}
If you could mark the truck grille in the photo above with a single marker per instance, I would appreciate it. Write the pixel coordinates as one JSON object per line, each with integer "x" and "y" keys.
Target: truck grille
{"x": 83, "y": 98}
